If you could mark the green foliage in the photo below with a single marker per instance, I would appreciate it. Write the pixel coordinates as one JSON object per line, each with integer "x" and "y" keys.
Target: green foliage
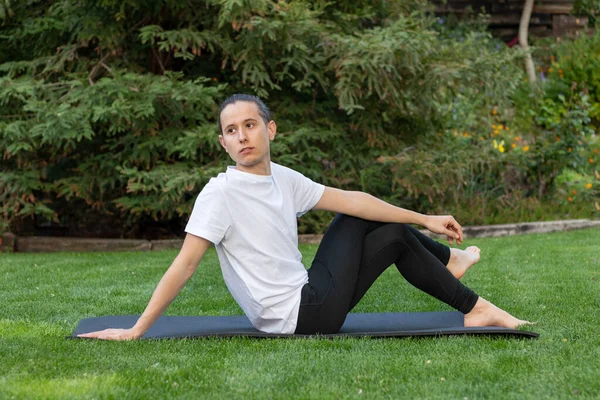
{"x": 578, "y": 62}
{"x": 108, "y": 109}
{"x": 558, "y": 137}
{"x": 101, "y": 143}
{"x": 589, "y": 8}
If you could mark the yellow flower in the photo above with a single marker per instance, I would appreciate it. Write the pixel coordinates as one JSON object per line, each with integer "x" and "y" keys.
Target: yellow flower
{"x": 588, "y": 185}
{"x": 550, "y": 70}
{"x": 506, "y": 128}
{"x": 499, "y": 146}
{"x": 493, "y": 126}
{"x": 526, "y": 148}
{"x": 500, "y": 127}
{"x": 513, "y": 145}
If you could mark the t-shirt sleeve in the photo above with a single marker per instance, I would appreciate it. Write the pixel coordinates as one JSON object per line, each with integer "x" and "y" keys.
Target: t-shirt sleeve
{"x": 307, "y": 192}
{"x": 210, "y": 217}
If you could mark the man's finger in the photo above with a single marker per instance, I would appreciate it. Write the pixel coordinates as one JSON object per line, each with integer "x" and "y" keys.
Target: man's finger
{"x": 460, "y": 232}
{"x": 97, "y": 334}
{"x": 451, "y": 234}
{"x": 91, "y": 334}
{"x": 454, "y": 234}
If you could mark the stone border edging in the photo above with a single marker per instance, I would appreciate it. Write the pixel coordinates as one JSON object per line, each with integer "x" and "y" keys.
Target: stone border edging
{"x": 36, "y": 244}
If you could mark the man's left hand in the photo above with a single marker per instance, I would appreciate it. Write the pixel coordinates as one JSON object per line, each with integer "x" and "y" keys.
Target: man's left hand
{"x": 445, "y": 225}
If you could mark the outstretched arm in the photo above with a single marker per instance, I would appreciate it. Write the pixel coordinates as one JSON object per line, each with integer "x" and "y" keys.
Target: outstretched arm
{"x": 180, "y": 271}
{"x": 366, "y": 206}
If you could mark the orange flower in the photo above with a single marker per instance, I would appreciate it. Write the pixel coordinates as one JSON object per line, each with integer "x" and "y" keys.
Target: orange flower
{"x": 494, "y": 112}
{"x": 569, "y": 199}
{"x": 588, "y": 185}
{"x": 574, "y": 192}
{"x": 516, "y": 139}
{"x": 570, "y": 149}
{"x": 591, "y": 160}
{"x": 550, "y": 70}
{"x": 513, "y": 145}
{"x": 595, "y": 151}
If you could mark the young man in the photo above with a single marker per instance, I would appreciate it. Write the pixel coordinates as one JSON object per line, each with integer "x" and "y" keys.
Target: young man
{"x": 250, "y": 213}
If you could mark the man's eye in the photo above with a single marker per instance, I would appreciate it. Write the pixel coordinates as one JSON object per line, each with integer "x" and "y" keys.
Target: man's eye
{"x": 250, "y": 125}
{"x": 230, "y": 130}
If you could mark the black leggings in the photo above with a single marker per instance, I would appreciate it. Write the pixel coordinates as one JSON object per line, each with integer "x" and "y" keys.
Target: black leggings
{"x": 352, "y": 255}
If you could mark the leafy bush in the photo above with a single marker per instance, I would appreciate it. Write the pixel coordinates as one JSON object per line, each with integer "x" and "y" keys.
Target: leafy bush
{"x": 589, "y": 8}
{"x": 107, "y": 109}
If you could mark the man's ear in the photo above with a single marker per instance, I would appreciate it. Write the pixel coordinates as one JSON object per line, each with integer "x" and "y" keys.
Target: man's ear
{"x": 272, "y": 127}
{"x": 222, "y": 142}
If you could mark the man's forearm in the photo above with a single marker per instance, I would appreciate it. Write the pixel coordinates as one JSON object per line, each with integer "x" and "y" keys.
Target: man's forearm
{"x": 167, "y": 289}
{"x": 371, "y": 208}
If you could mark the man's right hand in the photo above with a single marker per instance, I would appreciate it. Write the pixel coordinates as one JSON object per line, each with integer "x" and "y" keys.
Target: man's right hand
{"x": 182, "y": 268}
{"x": 112, "y": 334}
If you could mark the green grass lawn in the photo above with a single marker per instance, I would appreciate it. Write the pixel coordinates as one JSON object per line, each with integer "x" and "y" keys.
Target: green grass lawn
{"x": 553, "y": 279}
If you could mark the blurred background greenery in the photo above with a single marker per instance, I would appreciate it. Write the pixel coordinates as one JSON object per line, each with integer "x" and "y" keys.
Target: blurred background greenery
{"x": 108, "y": 110}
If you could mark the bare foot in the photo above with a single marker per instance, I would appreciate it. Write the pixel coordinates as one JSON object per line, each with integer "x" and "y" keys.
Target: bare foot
{"x": 461, "y": 260}
{"x": 486, "y": 314}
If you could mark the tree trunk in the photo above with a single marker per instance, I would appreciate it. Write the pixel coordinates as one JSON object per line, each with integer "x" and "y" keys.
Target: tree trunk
{"x": 523, "y": 32}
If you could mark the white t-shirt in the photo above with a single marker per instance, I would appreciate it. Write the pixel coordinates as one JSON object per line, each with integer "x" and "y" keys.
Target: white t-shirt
{"x": 251, "y": 219}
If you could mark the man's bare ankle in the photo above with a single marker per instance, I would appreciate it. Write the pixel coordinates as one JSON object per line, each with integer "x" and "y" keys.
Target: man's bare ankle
{"x": 481, "y": 305}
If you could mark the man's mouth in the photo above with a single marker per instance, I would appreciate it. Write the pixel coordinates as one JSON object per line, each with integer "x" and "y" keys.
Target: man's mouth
{"x": 246, "y": 149}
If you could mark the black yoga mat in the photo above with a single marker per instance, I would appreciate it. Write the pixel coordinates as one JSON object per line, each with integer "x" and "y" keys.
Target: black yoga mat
{"x": 356, "y": 324}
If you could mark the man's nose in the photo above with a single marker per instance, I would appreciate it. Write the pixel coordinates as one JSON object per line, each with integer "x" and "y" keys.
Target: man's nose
{"x": 242, "y": 135}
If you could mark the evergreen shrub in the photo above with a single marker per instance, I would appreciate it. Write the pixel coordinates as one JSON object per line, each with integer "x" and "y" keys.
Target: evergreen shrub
{"x": 108, "y": 109}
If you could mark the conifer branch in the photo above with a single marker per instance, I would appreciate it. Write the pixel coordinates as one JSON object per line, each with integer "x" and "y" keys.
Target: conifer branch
{"x": 94, "y": 70}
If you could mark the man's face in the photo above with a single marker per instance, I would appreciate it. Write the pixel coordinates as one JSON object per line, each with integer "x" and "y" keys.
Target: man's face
{"x": 245, "y": 136}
